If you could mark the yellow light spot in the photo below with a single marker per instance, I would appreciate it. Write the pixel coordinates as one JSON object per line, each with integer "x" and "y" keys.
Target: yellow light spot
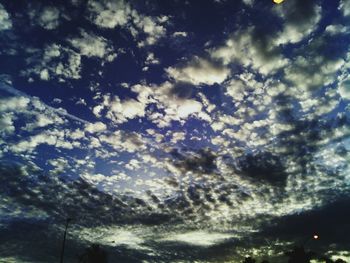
{"x": 278, "y": 1}
{"x": 316, "y": 236}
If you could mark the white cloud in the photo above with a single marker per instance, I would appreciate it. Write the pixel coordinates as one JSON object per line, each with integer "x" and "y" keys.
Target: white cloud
{"x": 344, "y": 89}
{"x": 5, "y": 21}
{"x": 151, "y": 59}
{"x": 43, "y": 120}
{"x": 44, "y": 74}
{"x": 91, "y": 45}
{"x": 133, "y": 164}
{"x": 114, "y": 236}
{"x": 185, "y": 109}
{"x": 120, "y": 111}
{"x": 178, "y": 136}
{"x": 128, "y": 109}
{"x": 336, "y": 29}
{"x": 198, "y": 238}
{"x": 49, "y": 18}
{"x": 6, "y": 123}
{"x": 180, "y": 34}
{"x": 150, "y": 27}
{"x": 199, "y": 71}
{"x": 126, "y": 142}
{"x": 344, "y": 7}
{"x": 58, "y": 164}
{"x": 81, "y": 101}
{"x": 77, "y": 134}
{"x": 48, "y": 66}
{"x": 29, "y": 145}
{"x": 296, "y": 26}
{"x": 248, "y": 2}
{"x": 109, "y": 14}
{"x": 248, "y": 52}
{"x": 315, "y": 72}
{"x": 175, "y": 108}
{"x": 95, "y": 127}
{"x": 236, "y": 89}
{"x": 13, "y": 104}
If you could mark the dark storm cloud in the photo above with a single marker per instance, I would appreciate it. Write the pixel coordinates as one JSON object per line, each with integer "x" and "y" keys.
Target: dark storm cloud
{"x": 330, "y": 222}
{"x": 201, "y": 161}
{"x": 182, "y": 90}
{"x": 299, "y": 11}
{"x": 263, "y": 166}
{"x": 61, "y": 199}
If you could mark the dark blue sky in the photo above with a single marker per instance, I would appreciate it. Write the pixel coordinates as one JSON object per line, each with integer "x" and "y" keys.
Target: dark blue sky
{"x": 174, "y": 130}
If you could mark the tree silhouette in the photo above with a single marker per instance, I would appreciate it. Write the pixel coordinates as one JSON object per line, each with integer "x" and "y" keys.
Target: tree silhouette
{"x": 249, "y": 260}
{"x": 299, "y": 255}
{"x": 94, "y": 254}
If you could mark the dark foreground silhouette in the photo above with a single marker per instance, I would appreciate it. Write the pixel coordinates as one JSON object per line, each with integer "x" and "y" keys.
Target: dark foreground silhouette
{"x": 94, "y": 254}
{"x": 299, "y": 255}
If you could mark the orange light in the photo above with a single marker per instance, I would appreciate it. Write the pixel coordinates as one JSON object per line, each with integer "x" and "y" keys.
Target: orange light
{"x": 278, "y": 1}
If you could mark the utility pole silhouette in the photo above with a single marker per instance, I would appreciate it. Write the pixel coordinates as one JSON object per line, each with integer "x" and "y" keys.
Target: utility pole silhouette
{"x": 64, "y": 239}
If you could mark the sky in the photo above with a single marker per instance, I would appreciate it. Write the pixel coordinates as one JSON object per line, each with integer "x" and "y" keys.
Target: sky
{"x": 174, "y": 131}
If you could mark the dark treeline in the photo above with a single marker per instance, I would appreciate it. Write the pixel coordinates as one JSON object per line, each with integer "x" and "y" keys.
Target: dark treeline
{"x": 96, "y": 254}
{"x": 298, "y": 255}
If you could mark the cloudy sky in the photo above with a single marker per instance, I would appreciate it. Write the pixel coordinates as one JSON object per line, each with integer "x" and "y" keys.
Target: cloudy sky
{"x": 174, "y": 131}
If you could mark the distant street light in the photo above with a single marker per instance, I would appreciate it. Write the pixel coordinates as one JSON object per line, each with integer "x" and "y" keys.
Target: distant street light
{"x": 314, "y": 237}
{"x": 278, "y": 1}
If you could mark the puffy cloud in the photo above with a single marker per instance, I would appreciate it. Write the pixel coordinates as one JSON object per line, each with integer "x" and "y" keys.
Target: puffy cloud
{"x": 168, "y": 98}
{"x": 91, "y": 45}
{"x": 180, "y": 34}
{"x": 199, "y": 71}
{"x": 122, "y": 141}
{"x": 344, "y": 89}
{"x": 303, "y": 75}
{"x": 198, "y": 238}
{"x": 184, "y": 109}
{"x": 110, "y": 14}
{"x": 128, "y": 109}
{"x": 59, "y": 164}
{"x": 5, "y": 21}
{"x": 49, "y": 138}
{"x": 49, "y": 18}
{"x": 120, "y": 111}
{"x": 240, "y": 88}
{"x": 151, "y": 28}
{"x": 6, "y": 123}
{"x": 14, "y": 103}
{"x": 55, "y": 62}
{"x": 344, "y": 7}
{"x": 336, "y": 29}
{"x": 245, "y": 48}
{"x": 77, "y": 134}
{"x": 248, "y": 2}
{"x": 273, "y": 149}
{"x": 172, "y": 104}
{"x": 300, "y": 20}
{"x": 151, "y": 59}
{"x": 43, "y": 120}
{"x": 178, "y": 136}
{"x": 95, "y": 127}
